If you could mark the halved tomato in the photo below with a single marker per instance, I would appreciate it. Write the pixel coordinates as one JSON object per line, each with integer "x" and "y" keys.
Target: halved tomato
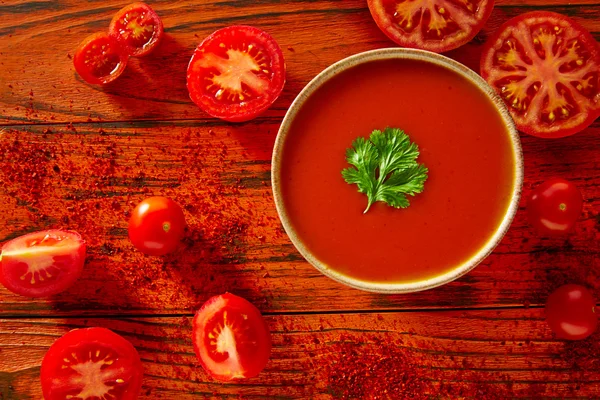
{"x": 91, "y": 364}
{"x": 137, "y": 28}
{"x": 99, "y": 59}
{"x": 434, "y": 25}
{"x": 236, "y": 73}
{"x": 546, "y": 67}
{"x": 42, "y": 263}
{"x": 231, "y": 338}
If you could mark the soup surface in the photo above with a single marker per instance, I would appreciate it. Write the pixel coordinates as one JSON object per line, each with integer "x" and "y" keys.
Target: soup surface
{"x": 462, "y": 142}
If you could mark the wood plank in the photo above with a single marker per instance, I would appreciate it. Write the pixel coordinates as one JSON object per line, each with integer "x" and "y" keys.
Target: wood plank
{"x": 87, "y": 177}
{"x": 493, "y": 354}
{"x": 38, "y": 38}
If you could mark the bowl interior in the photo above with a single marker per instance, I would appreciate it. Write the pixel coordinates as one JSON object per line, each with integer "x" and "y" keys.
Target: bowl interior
{"x": 398, "y": 54}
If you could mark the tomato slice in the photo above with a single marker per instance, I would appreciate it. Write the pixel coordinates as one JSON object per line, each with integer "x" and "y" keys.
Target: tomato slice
{"x": 93, "y": 364}
{"x": 231, "y": 338}
{"x": 236, "y": 73}
{"x": 137, "y": 28}
{"x": 99, "y": 59}
{"x": 434, "y": 25}
{"x": 42, "y": 263}
{"x": 546, "y": 67}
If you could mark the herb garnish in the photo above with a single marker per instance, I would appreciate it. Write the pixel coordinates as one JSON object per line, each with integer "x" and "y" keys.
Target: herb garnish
{"x": 385, "y": 167}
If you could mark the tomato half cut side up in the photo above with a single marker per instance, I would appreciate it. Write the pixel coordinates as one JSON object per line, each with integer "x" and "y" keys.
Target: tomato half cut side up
{"x": 231, "y": 338}
{"x": 137, "y": 28}
{"x": 99, "y": 59}
{"x": 91, "y": 363}
{"x": 236, "y": 73}
{"x": 434, "y": 25}
{"x": 42, "y": 263}
{"x": 546, "y": 67}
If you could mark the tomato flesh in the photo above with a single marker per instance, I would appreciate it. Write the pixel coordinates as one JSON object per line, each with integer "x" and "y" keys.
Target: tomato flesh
{"x": 236, "y": 73}
{"x": 99, "y": 59}
{"x": 157, "y": 226}
{"x": 434, "y": 25}
{"x": 571, "y": 312}
{"x": 43, "y": 263}
{"x": 554, "y": 207}
{"x": 93, "y": 364}
{"x": 137, "y": 28}
{"x": 231, "y": 338}
{"x": 546, "y": 67}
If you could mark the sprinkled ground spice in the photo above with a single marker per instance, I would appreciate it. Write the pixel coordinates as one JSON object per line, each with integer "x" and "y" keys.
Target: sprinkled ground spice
{"x": 88, "y": 179}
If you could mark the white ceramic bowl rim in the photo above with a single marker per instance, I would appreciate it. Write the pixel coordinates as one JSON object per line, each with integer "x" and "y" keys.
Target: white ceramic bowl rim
{"x": 387, "y": 54}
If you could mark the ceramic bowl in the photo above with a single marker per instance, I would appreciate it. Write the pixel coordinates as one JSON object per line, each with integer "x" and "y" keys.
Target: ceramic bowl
{"x": 398, "y": 54}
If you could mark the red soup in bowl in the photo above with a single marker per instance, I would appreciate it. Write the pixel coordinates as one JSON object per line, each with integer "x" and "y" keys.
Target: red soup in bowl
{"x": 466, "y": 140}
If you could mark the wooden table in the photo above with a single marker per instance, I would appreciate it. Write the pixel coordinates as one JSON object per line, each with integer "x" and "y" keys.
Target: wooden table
{"x": 80, "y": 157}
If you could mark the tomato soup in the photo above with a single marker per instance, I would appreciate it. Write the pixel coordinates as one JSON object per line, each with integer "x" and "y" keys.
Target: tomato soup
{"x": 463, "y": 142}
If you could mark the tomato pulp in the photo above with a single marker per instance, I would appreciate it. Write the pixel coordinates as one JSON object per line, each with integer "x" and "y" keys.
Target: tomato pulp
{"x": 42, "y": 263}
{"x": 463, "y": 142}
{"x": 91, "y": 364}
{"x": 99, "y": 59}
{"x": 137, "y": 28}
{"x": 434, "y": 25}
{"x": 231, "y": 338}
{"x": 236, "y": 73}
{"x": 546, "y": 67}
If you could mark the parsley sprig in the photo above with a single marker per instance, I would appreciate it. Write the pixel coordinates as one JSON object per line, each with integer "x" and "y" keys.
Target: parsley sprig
{"x": 385, "y": 167}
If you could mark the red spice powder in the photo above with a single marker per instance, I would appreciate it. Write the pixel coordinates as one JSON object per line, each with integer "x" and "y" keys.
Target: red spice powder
{"x": 88, "y": 179}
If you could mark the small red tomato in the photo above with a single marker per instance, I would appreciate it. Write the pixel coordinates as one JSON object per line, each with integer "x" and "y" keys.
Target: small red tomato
{"x": 231, "y": 338}
{"x": 42, "y": 263}
{"x": 156, "y": 226}
{"x": 570, "y": 312}
{"x": 91, "y": 364}
{"x": 99, "y": 59}
{"x": 236, "y": 73}
{"x": 137, "y": 28}
{"x": 554, "y": 207}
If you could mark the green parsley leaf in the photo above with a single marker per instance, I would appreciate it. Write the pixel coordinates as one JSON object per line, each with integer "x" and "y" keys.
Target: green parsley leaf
{"x": 385, "y": 167}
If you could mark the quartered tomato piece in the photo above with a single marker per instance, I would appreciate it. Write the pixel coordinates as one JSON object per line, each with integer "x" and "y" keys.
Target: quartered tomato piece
{"x": 231, "y": 338}
{"x": 546, "y": 67}
{"x": 42, "y": 263}
{"x": 434, "y": 25}
{"x": 99, "y": 59}
{"x": 91, "y": 364}
{"x": 236, "y": 73}
{"x": 137, "y": 28}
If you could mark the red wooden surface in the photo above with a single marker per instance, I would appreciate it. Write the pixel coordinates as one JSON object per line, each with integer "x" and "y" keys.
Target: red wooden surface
{"x": 80, "y": 157}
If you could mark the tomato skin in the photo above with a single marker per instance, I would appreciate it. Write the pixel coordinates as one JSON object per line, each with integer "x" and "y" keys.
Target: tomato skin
{"x": 42, "y": 269}
{"x": 106, "y": 67}
{"x": 157, "y": 226}
{"x": 554, "y": 207}
{"x": 534, "y": 116}
{"x": 236, "y": 324}
{"x": 409, "y": 32}
{"x": 571, "y": 312}
{"x": 142, "y": 16}
{"x": 260, "y": 89}
{"x": 126, "y": 363}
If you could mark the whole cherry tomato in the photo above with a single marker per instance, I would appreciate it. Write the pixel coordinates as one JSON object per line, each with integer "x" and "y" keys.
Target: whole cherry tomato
{"x": 156, "y": 226}
{"x": 571, "y": 313}
{"x": 554, "y": 207}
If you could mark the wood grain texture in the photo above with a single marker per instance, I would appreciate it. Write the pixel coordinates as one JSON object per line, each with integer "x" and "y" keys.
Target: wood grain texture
{"x": 80, "y": 157}
{"x": 89, "y": 176}
{"x": 38, "y": 38}
{"x": 475, "y": 353}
